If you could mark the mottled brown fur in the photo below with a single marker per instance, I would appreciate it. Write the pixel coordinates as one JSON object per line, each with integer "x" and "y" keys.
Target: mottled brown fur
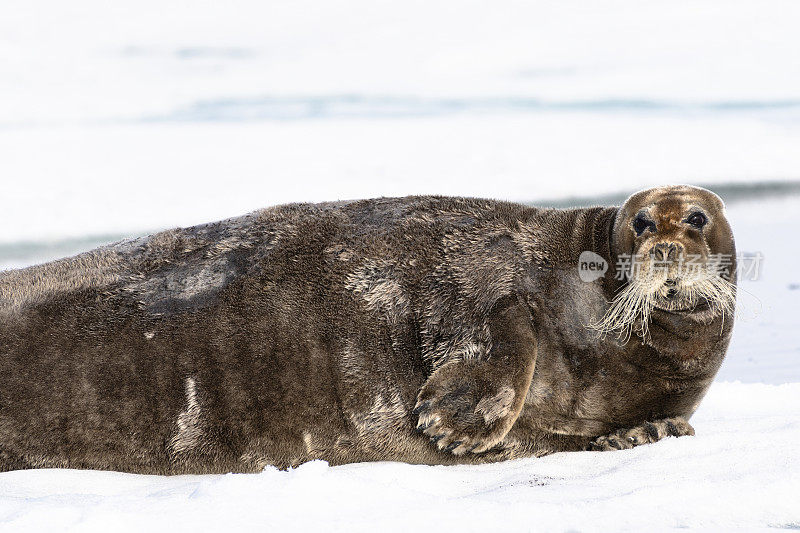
{"x": 307, "y": 331}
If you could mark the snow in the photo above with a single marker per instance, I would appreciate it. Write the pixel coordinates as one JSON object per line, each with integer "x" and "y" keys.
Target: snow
{"x": 117, "y": 119}
{"x": 766, "y": 342}
{"x": 739, "y": 470}
{"x": 95, "y": 60}
{"x": 122, "y": 178}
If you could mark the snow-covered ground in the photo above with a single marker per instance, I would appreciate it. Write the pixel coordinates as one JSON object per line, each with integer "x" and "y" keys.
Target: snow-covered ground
{"x": 120, "y": 118}
{"x": 740, "y": 470}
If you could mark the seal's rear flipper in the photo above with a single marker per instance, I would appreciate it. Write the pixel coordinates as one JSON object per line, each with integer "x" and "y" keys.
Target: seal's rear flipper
{"x": 623, "y": 439}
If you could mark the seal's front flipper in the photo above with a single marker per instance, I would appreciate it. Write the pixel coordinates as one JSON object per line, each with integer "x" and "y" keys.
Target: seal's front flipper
{"x": 622, "y": 439}
{"x": 470, "y": 405}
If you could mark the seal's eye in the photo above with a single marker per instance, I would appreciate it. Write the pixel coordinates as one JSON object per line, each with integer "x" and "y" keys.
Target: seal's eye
{"x": 698, "y": 220}
{"x": 640, "y": 224}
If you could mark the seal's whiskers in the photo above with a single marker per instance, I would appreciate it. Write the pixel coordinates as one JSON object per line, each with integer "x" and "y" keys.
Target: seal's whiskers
{"x": 635, "y": 303}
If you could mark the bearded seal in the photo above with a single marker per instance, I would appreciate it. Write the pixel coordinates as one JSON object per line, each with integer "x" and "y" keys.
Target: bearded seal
{"x": 429, "y": 330}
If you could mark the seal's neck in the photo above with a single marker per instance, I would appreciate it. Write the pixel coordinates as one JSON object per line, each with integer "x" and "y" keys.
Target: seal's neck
{"x": 593, "y": 231}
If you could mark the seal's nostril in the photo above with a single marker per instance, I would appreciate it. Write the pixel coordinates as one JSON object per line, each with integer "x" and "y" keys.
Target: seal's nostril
{"x": 659, "y": 251}
{"x": 673, "y": 251}
{"x": 665, "y": 251}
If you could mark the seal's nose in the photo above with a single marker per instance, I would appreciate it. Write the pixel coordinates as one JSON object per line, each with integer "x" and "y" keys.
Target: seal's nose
{"x": 666, "y": 251}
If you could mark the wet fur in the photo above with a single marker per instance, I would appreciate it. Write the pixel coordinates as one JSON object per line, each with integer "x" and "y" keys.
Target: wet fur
{"x": 308, "y": 331}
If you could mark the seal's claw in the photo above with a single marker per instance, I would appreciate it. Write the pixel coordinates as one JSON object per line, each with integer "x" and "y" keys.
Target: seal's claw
{"x": 421, "y": 407}
{"x": 462, "y": 448}
{"x": 453, "y": 445}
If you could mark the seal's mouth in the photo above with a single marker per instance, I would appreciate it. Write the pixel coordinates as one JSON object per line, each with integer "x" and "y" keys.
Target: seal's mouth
{"x": 701, "y": 306}
{"x": 680, "y": 296}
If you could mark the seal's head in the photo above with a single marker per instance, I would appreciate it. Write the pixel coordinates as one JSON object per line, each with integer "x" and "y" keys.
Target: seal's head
{"x": 677, "y": 249}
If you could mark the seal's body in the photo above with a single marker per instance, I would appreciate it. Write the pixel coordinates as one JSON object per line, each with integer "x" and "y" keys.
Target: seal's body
{"x": 422, "y": 329}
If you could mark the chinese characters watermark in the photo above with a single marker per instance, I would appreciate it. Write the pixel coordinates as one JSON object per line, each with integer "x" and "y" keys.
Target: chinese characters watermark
{"x": 748, "y": 265}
